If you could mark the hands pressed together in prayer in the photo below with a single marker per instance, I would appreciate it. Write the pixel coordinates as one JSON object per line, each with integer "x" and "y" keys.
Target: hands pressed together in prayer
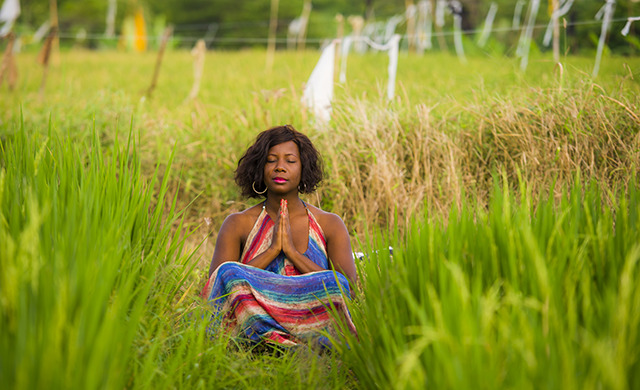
{"x": 282, "y": 238}
{"x": 282, "y": 242}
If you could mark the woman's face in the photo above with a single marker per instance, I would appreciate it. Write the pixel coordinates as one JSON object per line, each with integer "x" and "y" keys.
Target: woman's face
{"x": 283, "y": 168}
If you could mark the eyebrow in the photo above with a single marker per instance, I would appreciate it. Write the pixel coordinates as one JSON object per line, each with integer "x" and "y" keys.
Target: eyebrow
{"x": 286, "y": 155}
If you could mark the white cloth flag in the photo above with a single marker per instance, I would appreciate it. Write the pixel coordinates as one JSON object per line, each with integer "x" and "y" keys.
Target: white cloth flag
{"x": 627, "y": 27}
{"x": 424, "y": 25}
{"x": 606, "y": 14}
{"x": 488, "y": 24}
{"x": 524, "y": 44}
{"x": 346, "y": 45}
{"x": 392, "y": 69}
{"x": 517, "y": 13}
{"x": 8, "y": 14}
{"x": 441, "y": 6}
{"x": 563, "y": 10}
{"x": 456, "y": 9}
{"x": 319, "y": 89}
{"x": 392, "y": 48}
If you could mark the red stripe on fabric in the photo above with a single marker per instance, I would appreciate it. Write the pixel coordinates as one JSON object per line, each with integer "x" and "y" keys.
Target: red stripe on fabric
{"x": 307, "y": 315}
{"x": 290, "y": 270}
{"x": 257, "y": 240}
{"x": 206, "y": 290}
{"x": 278, "y": 338}
{"x": 313, "y": 225}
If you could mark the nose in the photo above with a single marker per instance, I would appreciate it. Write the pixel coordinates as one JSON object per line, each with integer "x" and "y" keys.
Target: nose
{"x": 280, "y": 166}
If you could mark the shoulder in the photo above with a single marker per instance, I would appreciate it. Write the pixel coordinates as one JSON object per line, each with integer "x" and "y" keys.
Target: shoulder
{"x": 329, "y": 222}
{"x": 242, "y": 221}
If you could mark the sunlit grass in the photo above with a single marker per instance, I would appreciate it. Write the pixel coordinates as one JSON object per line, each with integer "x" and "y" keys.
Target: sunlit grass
{"x": 509, "y": 297}
{"x": 448, "y": 127}
{"x": 524, "y": 284}
{"x": 95, "y": 289}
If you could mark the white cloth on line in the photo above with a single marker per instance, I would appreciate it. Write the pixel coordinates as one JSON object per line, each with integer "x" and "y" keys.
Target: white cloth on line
{"x": 319, "y": 89}
{"x": 627, "y": 27}
{"x": 8, "y": 14}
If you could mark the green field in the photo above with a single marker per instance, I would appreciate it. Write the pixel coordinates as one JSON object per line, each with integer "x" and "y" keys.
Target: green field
{"x": 510, "y": 199}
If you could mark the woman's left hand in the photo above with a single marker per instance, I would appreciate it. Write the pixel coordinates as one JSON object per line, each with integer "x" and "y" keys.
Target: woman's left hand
{"x": 288, "y": 247}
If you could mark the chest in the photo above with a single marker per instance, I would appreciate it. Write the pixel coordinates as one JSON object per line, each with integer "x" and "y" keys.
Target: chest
{"x": 300, "y": 232}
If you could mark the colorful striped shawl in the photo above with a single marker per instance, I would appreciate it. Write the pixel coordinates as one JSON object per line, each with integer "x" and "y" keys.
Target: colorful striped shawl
{"x": 279, "y": 304}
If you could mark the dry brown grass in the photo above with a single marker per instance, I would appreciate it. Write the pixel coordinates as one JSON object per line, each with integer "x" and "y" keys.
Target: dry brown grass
{"x": 385, "y": 163}
{"x": 380, "y": 159}
{"x": 444, "y": 136}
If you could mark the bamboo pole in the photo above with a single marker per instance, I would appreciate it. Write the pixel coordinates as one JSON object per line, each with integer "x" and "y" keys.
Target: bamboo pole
{"x": 45, "y": 54}
{"x": 8, "y": 66}
{"x": 53, "y": 20}
{"x": 112, "y": 9}
{"x": 556, "y": 31}
{"x": 198, "y": 53}
{"x": 156, "y": 72}
{"x": 302, "y": 34}
{"x": 441, "y": 41}
{"x": 273, "y": 26}
{"x": 410, "y": 12}
{"x": 339, "y": 43}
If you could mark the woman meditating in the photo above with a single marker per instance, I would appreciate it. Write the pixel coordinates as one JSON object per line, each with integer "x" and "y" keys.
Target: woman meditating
{"x": 272, "y": 274}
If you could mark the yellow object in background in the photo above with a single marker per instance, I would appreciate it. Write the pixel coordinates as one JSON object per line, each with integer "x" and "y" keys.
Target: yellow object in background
{"x": 553, "y": 5}
{"x": 140, "y": 38}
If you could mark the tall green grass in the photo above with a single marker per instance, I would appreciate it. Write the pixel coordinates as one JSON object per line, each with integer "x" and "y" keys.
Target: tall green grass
{"x": 82, "y": 253}
{"x": 449, "y": 125}
{"x": 95, "y": 290}
{"x": 513, "y": 296}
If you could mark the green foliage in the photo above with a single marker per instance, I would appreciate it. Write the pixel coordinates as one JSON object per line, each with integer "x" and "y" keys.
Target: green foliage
{"x": 509, "y": 297}
{"x": 82, "y": 252}
{"x": 250, "y": 19}
{"x": 95, "y": 290}
{"x": 494, "y": 287}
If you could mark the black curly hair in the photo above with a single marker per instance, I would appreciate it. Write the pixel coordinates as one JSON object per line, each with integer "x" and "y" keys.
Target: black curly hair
{"x": 250, "y": 166}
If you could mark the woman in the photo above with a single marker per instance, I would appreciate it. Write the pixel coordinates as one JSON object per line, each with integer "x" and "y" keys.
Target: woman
{"x": 272, "y": 270}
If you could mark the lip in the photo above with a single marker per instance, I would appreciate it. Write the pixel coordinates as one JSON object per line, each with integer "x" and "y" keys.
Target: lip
{"x": 279, "y": 180}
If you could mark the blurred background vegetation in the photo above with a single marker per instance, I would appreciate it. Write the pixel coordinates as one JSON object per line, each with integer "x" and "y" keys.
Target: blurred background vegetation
{"x": 231, "y": 24}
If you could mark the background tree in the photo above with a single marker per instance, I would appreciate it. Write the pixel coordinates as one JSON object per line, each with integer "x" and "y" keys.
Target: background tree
{"x": 247, "y": 19}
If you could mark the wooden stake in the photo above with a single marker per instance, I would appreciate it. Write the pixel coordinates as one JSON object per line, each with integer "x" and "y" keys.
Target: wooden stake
{"x": 9, "y": 63}
{"x": 411, "y": 24}
{"x": 302, "y": 34}
{"x": 53, "y": 21}
{"x": 556, "y": 31}
{"x": 273, "y": 26}
{"x": 357, "y": 24}
{"x": 45, "y": 54}
{"x": 339, "y": 37}
{"x": 163, "y": 44}
{"x": 441, "y": 41}
{"x": 110, "y": 31}
{"x": 198, "y": 53}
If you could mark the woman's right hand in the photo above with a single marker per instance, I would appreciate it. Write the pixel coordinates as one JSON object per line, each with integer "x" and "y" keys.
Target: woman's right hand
{"x": 279, "y": 229}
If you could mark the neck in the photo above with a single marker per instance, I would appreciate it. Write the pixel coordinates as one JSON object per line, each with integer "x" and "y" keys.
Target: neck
{"x": 294, "y": 203}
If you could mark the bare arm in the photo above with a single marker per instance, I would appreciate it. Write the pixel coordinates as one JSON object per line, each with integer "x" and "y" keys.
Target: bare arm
{"x": 228, "y": 242}
{"x": 339, "y": 249}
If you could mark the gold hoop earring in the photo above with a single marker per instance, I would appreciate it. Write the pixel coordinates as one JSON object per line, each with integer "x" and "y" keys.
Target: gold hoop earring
{"x": 253, "y": 186}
